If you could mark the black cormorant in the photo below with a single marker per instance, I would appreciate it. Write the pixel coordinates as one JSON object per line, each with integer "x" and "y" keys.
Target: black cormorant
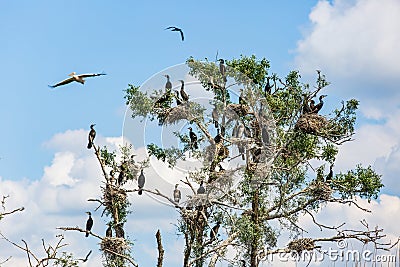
{"x": 312, "y": 105}
{"x": 122, "y": 170}
{"x": 141, "y": 181}
{"x": 306, "y": 106}
{"x": 184, "y": 95}
{"x": 119, "y": 230}
{"x": 218, "y": 137}
{"x": 178, "y": 101}
{"x": 214, "y": 231}
{"x": 268, "y": 87}
{"x": 168, "y": 84}
{"x": 329, "y": 177}
{"x": 201, "y": 189}
{"x": 92, "y": 135}
{"x": 318, "y": 106}
{"x": 76, "y": 78}
{"x": 215, "y": 116}
{"x": 222, "y": 69}
{"x": 241, "y": 98}
{"x": 193, "y": 138}
{"x": 89, "y": 224}
{"x": 175, "y": 29}
{"x": 177, "y": 194}
{"x": 109, "y": 231}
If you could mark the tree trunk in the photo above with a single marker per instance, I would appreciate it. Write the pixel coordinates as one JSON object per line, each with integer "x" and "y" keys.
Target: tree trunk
{"x": 254, "y": 218}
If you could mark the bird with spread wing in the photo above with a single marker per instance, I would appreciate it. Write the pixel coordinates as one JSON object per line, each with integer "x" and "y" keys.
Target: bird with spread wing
{"x": 175, "y": 29}
{"x": 76, "y": 78}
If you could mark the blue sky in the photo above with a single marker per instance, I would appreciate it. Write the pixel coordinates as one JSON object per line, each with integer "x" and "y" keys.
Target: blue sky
{"x": 44, "y": 41}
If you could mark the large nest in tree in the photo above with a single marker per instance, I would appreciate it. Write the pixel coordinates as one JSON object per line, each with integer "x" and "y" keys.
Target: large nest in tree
{"x": 320, "y": 190}
{"x": 114, "y": 244}
{"x": 239, "y": 110}
{"x": 197, "y": 200}
{"x": 176, "y": 114}
{"x": 113, "y": 195}
{"x": 311, "y": 123}
{"x": 302, "y": 244}
{"x": 220, "y": 182}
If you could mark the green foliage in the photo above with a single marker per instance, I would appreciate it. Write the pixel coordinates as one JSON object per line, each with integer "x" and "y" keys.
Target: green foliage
{"x": 280, "y": 191}
{"x": 169, "y": 155}
{"x": 255, "y": 70}
{"x": 364, "y": 182}
{"x": 66, "y": 260}
{"x": 108, "y": 157}
{"x": 345, "y": 118}
{"x": 140, "y": 103}
{"x": 329, "y": 152}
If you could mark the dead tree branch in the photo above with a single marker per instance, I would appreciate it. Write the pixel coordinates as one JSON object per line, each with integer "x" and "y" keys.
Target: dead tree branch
{"x": 160, "y": 249}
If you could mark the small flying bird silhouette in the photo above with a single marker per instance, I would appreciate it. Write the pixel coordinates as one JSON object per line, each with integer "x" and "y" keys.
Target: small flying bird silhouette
{"x": 76, "y": 78}
{"x": 175, "y": 29}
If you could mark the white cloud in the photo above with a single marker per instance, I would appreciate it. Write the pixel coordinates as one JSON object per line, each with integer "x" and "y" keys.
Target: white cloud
{"x": 59, "y": 198}
{"x": 357, "y": 37}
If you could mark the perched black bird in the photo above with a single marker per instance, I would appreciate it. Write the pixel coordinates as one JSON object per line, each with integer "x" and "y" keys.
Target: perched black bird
{"x": 214, "y": 231}
{"x": 215, "y": 116}
{"x": 318, "y": 106}
{"x": 141, "y": 181}
{"x": 312, "y": 105}
{"x": 168, "y": 84}
{"x": 92, "y": 135}
{"x": 201, "y": 189}
{"x": 89, "y": 224}
{"x": 241, "y": 98}
{"x": 218, "y": 137}
{"x": 178, "y": 101}
{"x": 193, "y": 138}
{"x": 109, "y": 231}
{"x": 306, "y": 106}
{"x": 175, "y": 29}
{"x": 184, "y": 95}
{"x": 222, "y": 69}
{"x": 329, "y": 177}
{"x": 164, "y": 98}
{"x": 119, "y": 230}
{"x": 177, "y": 194}
{"x": 122, "y": 170}
{"x": 268, "y": 87}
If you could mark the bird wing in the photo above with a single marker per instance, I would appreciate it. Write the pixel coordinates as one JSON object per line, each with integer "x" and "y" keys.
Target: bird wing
{"x": 86, "y": 75}
{"x": 66, "y": 81}
{"x": 171, "y": 27}
{"x": 183, "y": 38}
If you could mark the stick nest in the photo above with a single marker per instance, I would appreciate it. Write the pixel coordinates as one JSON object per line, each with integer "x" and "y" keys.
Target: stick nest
{"x": 115, "y": 244}
{"x": 320, "y": 190}
{"x": 312, "y": 123}
{"x": 176, "y": 114}
{"x": 301, "y": 244}
{"x": 113, "y": 195}
{"x": 240, "y": 110}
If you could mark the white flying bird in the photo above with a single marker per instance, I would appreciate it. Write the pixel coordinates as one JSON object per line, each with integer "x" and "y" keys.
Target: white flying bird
{"x": 76, "y": 78}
